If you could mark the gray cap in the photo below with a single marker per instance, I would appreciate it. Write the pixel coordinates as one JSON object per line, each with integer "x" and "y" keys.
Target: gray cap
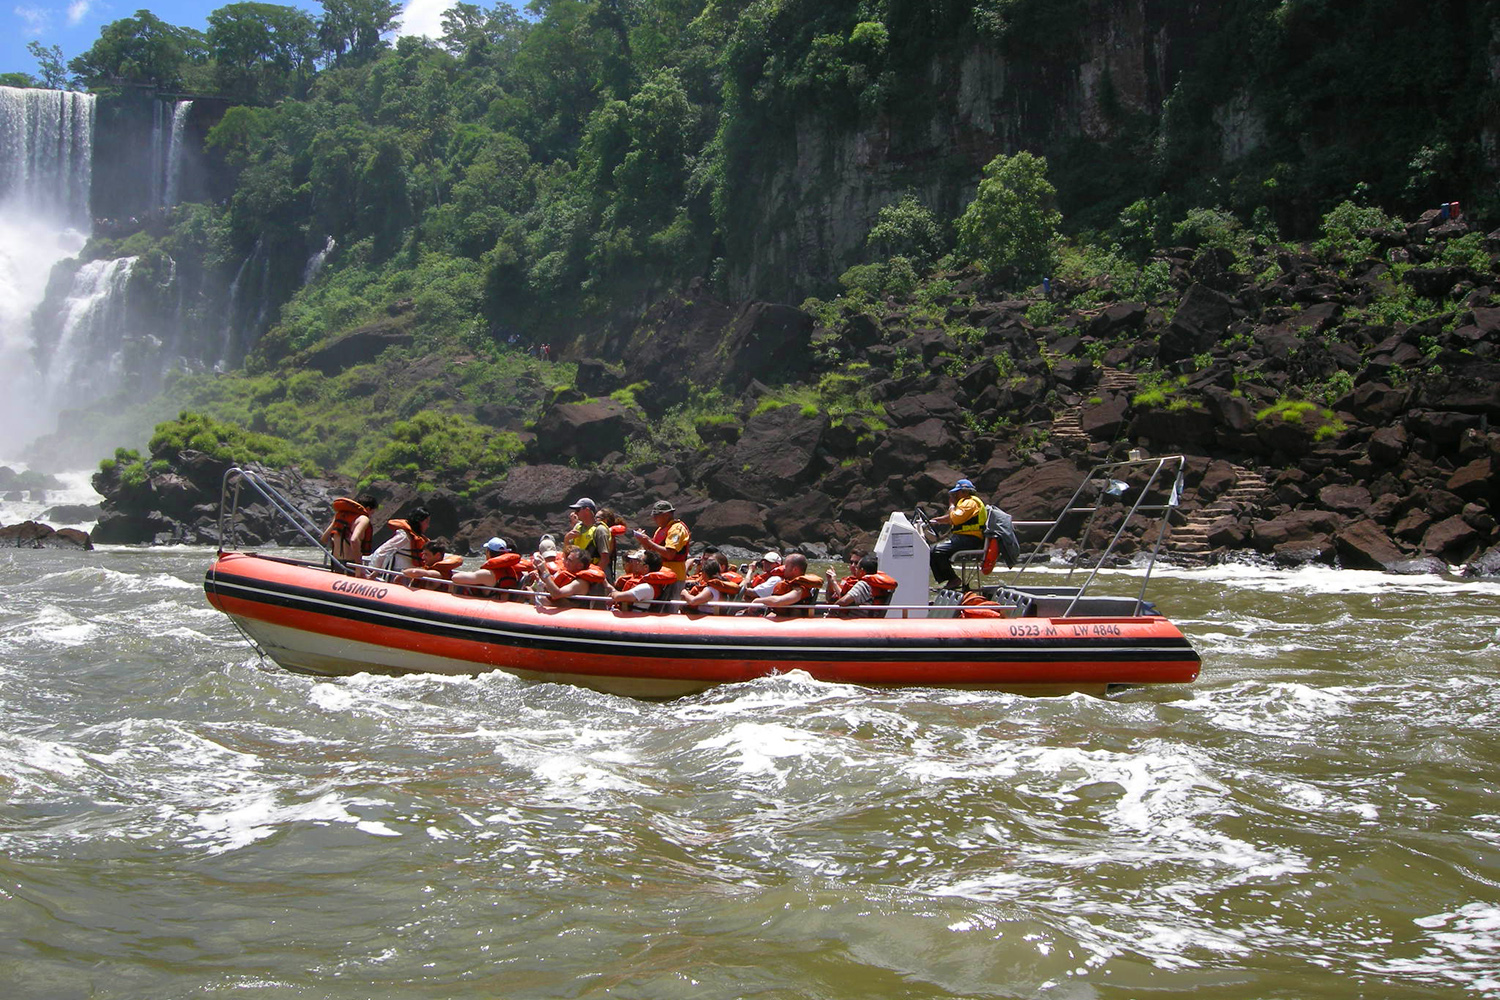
{"x": 584, "y": 502}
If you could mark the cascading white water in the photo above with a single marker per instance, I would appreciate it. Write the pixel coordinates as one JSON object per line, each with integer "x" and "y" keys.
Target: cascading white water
{"x": 175, "y": 151}
{"x": 93, "y": 321}
{"x": 316, "y": 261}
{"x": 46, "y": 152}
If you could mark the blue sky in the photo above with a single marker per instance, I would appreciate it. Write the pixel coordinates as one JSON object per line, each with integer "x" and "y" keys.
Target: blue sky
{"x": 73, "y": 25}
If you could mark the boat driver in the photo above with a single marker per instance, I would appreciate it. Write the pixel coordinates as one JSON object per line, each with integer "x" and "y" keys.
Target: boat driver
{"x": 966, "y": 514}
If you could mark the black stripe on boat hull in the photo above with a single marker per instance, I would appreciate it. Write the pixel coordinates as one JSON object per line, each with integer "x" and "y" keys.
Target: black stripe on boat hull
{"x": 557, "y": 638}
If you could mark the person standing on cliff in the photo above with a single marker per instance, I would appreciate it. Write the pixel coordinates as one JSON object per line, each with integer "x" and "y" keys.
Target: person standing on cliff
{"x": 966, "y": 514}
{"x": 670, "y": 540}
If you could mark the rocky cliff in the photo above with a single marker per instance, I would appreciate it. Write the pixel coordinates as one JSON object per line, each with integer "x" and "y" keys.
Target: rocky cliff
{"x": 1315, "y": 430}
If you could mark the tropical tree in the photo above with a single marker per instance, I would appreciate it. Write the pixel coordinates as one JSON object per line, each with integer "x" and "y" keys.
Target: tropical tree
{"x": 262, "y": 51}
{"x": 352, "y": 32}
{"x": 139, "y": 49}
{"x": 1010, "y": 228}
{"x": 49, "y": 60}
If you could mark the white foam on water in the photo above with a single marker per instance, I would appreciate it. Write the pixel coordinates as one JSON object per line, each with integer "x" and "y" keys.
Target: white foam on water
{"x": 104, "y": 580}
{"x": 1285, "y": 709}
{"x": 757, "y": 748}
{"x": 36, "y": 765}
{"x": 1463, "y": 949}
{"x": 51, "y": 625}
{"x": 76, "y": 490}
{"x": 1324, "y": 580}
{"x": 237, "y": 821}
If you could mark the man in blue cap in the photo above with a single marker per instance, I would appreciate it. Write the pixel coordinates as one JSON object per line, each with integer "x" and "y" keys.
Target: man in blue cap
{"x": 966, "y": 514}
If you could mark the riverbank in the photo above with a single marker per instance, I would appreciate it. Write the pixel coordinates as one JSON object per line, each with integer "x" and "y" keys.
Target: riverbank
{"x": 1336, "y": 404}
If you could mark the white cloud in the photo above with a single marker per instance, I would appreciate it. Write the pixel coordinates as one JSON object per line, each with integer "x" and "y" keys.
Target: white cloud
{"x": 35, "y": 18}
{"x": 78, "y": 10}
{"x": 423, "y": 17}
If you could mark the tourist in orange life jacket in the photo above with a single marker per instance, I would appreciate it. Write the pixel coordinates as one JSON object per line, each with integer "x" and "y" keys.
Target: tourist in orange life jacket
{"x": 577, "y": 578}
{"x": 670, "y": 540}
{"x": 502, "y": 570}
{"x": 437, "y": 564}
{"x": 643, "y": 581}
{"x": 586, "y": 532}
{"x": 836, "y": 588}
{"x": 349, "y": 534}
{"x": 711, "y": 586}
{"x": 798, "y": 588}
{"x": 766, "y": 576}
{"x": 402, "y": 550}
{"x": 966, "y": 513}
{"x": 866, "y": 591}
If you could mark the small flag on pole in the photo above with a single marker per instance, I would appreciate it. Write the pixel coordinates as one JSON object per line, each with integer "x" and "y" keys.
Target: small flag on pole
{"x": 1116, "y": 488}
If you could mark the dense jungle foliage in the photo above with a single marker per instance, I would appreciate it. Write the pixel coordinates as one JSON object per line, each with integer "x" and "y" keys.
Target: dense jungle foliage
{"x": 535, "y": 174}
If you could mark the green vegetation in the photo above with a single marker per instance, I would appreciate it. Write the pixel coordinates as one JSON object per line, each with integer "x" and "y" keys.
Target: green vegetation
{"x": 1011, "y": 225}
{"x": 1323, "y": 422}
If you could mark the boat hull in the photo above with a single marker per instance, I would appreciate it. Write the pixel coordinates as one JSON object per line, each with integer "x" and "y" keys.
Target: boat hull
{"x": 313, "y": 621}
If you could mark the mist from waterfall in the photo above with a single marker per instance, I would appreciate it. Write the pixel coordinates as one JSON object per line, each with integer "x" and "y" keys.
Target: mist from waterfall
{"x": 46, "y": 152}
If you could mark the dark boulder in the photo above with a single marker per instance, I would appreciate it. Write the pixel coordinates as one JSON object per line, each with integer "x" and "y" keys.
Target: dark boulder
{"x": 807, "y": 517}
{"x": 71, "y": 513}
{"x": 1346, "y": 500}
{"x": 537, "y": 489}
{"x": 733, "y": 522}
{"x": 1106, "y": 419}
{"x": 1365, "y": 545}
{"x": 587, "y": 431}
{"x": 1452, "y": 539}
{"x": 35, "y": 535}
{"x": 1202, "y": 318}
{"x": 1039, "y": 493}
{"x": 1486, "y": 564}
{"x": 1312, "y": 528}
{"x": 768, "y": 342}
{"x": 776, "y": 455}
{"x": 360, "y": 346}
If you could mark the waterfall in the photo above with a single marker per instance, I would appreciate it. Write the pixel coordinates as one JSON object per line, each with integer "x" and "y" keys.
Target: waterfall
{"x": 316, "y": 261}
{"x": 156, "y": 171}
{"x": 93, "y": 326}
{"x": 46, "y": 155}
{"x": 175, "y": 151}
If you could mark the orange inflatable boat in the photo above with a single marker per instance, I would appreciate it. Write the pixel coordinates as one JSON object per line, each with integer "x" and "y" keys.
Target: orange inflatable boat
{"x": 313, "y": 618}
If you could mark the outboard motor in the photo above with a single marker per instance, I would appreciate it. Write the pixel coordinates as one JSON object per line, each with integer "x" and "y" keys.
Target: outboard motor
{"x": 903, "y": 554}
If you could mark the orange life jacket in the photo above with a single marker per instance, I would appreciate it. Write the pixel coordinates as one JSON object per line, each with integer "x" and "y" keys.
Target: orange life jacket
{"x": 418, "y": 542}
{"x": 760, "y": 578}
{"x": 976, "y": 605}
{"x": 508, "y": 568}
{"x": 345, "y": 513}
{"x": 732, "y": 579}
{"x": 446, "y": 565}
{"x": 660, "y": 580}
{"x": 627, "y": 581}
{"x": 722, "y": 584}
{"x": 882, "y": 587}
{"x": 810, "y": 585}
{"x": 592, "y": 575}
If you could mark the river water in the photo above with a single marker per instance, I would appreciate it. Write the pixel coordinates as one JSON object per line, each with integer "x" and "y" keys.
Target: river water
{"x": 1316, "y": 817}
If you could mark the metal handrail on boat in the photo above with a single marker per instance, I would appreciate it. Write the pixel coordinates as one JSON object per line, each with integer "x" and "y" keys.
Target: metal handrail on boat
{"x": 479, "y": 590}
{"x": 229, "y": 510}
{"x": 1107, "y": 472}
